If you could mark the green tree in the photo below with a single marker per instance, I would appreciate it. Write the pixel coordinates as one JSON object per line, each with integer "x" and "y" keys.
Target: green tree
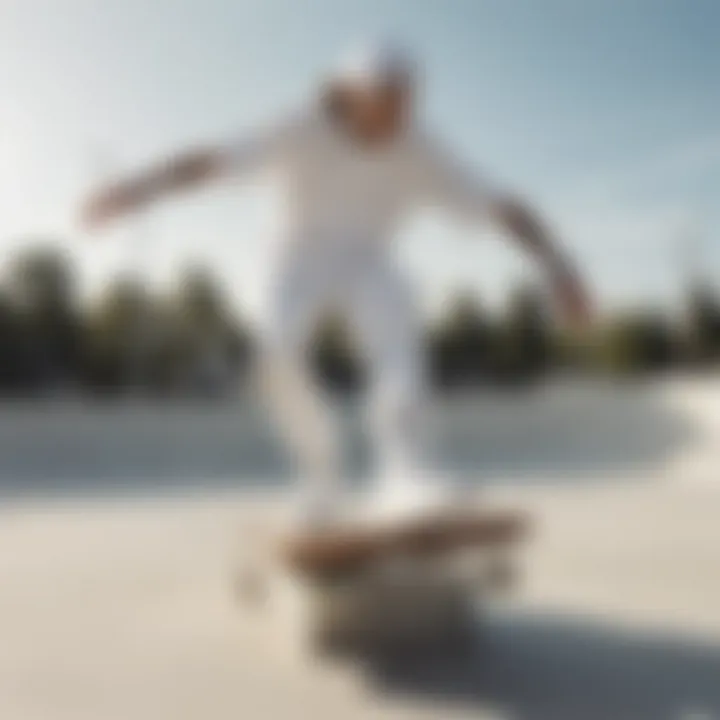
{"x": 207, "y": 347}
{"x": 635, "y": 343}
{"x": 334, "y": 356}
{"x": 45, "y": 322}
{"x": 122, "y": 333}
{"x": 462, "y": 344}
{"x": 14, "y": 351}
{"x": 702, "y": 325}
{"x": 525, "y": 342}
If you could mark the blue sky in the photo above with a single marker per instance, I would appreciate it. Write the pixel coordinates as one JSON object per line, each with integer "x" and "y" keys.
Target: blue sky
{"x": 605, "y": 112}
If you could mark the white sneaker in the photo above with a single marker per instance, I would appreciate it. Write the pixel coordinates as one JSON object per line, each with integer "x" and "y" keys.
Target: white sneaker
{"x": 414, "y": 494}
{"x": 315, "y": 511}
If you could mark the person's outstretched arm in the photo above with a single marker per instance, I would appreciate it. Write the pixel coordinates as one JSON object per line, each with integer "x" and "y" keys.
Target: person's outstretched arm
{"x": 185, "y": 171}
{"x": 448, "y": 185}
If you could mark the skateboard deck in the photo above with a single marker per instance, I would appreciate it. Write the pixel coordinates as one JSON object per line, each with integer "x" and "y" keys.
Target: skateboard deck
{"x": 349, "y": 548}
{"x": 330, "y": 587}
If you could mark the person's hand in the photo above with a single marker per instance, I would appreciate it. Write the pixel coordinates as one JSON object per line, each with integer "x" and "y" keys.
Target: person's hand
{"x": 174, "y": 174}
{"x": 110, "y": 203}
{"x": 568, "y": 290}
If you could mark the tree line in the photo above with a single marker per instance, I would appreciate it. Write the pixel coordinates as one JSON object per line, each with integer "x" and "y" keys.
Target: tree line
{"x": 189, "y": 341}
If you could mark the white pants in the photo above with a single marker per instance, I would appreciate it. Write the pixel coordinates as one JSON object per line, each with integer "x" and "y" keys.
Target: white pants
{"x": 375, "y": 300}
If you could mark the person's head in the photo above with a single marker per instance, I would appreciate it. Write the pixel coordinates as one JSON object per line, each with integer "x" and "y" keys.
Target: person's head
{"x": 372, "y": 93}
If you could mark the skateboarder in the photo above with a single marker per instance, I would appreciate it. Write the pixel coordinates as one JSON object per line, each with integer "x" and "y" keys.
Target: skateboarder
{"x": 354, "y": 162}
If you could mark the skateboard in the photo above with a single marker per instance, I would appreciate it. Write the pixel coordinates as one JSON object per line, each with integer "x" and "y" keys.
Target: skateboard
{"x": 399, "y": 583}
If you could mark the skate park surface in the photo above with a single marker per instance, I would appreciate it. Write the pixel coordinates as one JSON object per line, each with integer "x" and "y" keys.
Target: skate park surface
{"x": 119, "y": 524}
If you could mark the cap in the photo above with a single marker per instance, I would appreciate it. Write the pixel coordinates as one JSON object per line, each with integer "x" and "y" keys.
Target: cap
{"x": 375, "y": 65}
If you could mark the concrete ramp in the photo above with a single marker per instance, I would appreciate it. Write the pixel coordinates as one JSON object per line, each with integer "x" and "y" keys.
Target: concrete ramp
{"x": 563, "y": 432}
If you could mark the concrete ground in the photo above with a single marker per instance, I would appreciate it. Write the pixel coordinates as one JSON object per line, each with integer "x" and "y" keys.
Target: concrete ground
{"x": 123, "y": 611}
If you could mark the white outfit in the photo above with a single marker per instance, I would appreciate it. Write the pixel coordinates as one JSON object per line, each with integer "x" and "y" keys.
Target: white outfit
{"x": 343, "y": 205}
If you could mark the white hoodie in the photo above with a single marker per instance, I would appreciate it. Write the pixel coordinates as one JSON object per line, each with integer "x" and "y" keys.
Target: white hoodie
{"x": 339, "y": 193}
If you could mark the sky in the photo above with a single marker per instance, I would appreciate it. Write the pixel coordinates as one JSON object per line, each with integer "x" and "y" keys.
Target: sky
{"x": 605, "y": 113}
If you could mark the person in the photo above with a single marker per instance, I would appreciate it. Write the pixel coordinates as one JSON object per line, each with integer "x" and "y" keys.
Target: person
{"x": 353, "y": 163}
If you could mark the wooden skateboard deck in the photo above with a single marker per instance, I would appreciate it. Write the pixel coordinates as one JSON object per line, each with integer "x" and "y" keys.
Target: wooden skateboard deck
{"x": 323, "y": 591}
{"x": 347, "y": 549}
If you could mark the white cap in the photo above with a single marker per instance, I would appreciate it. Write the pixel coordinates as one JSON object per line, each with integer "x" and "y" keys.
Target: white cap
{"x": 375, "y": 65}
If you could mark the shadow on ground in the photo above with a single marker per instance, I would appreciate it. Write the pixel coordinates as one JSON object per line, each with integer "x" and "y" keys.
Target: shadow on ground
{"x": 550, "y": 669}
